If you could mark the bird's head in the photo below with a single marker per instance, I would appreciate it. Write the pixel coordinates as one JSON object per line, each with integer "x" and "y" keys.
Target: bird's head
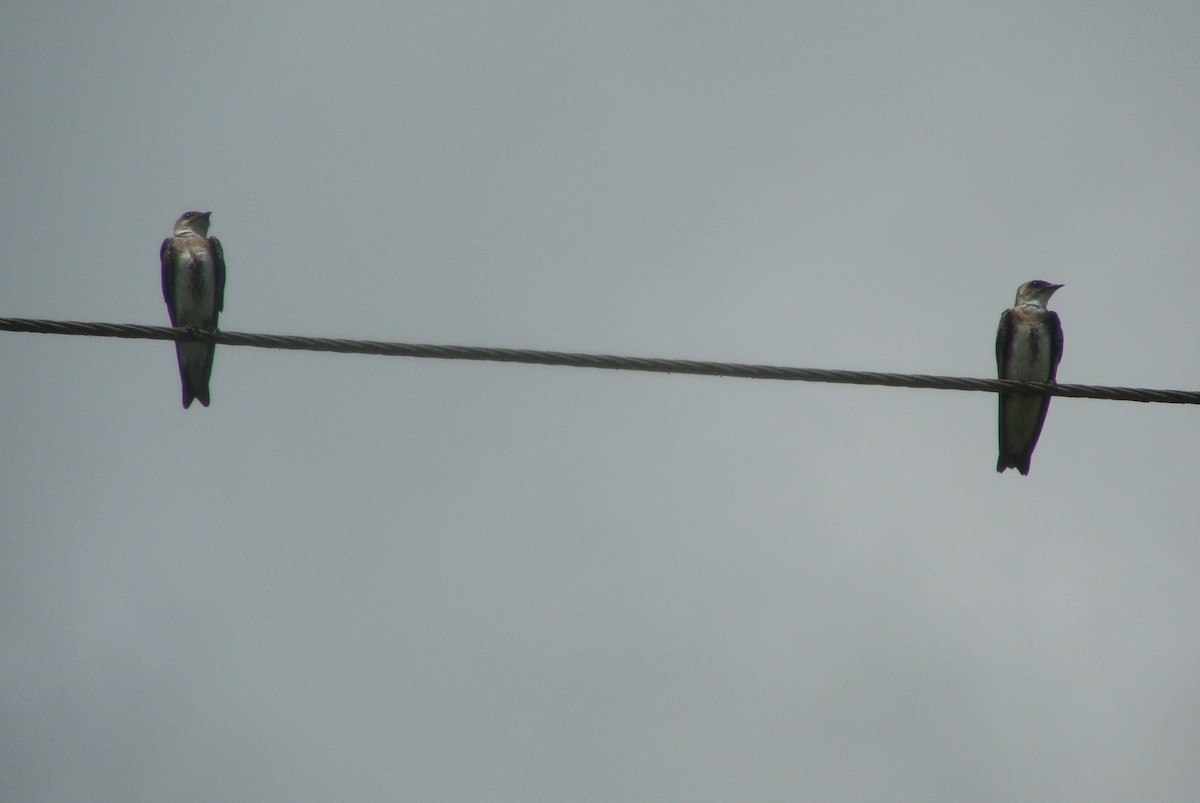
{"x": 1036, "y": 292}
{"x": 193, "y": 223}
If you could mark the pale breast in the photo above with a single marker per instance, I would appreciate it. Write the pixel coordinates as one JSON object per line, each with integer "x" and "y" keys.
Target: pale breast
{"x": 1031, "y": 351}
{"x": 195, "y": 285}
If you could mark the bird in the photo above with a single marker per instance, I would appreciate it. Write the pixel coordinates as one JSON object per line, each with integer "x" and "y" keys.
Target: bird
{"x": 193, "y": 284}
{"x": 1029, "y": 346}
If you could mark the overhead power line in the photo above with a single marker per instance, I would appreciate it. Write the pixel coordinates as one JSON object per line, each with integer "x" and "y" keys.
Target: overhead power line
{"x": 662, "y": 366}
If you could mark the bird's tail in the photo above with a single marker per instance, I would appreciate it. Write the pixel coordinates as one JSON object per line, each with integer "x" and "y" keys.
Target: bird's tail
{"x": 195, "y": 368}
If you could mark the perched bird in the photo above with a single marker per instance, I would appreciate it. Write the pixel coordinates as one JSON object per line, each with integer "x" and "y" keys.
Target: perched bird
{"x": 1029, "y": 345}
{"x": 193, "y": 283}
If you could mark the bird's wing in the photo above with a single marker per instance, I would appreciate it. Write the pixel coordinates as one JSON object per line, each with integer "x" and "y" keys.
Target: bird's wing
{"x": 219, "y": 274}
{"x": 167, "y": 259}
{"x": 1002, "y": 335}
{"x": 1056, "y": 340}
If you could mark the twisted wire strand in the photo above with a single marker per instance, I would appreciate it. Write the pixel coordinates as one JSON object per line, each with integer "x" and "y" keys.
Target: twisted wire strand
{"x": 578, "y": 360}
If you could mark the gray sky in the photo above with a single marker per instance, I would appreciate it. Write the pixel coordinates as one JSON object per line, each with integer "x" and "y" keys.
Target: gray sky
{"x": 357, "y": 578}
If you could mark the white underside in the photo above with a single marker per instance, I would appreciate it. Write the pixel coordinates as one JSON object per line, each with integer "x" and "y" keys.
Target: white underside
{"x": 194, "y": 310}
{"x": 1021, "y": 412}
{"x": 1022, "y": 363}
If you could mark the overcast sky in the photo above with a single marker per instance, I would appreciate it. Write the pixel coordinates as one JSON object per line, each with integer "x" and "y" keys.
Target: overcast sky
{"x": 361, "y": 578}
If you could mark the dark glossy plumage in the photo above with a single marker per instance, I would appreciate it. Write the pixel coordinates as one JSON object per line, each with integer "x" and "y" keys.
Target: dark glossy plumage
{"x": 1024, "y": 331}
{"x": 188, "y": 251}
